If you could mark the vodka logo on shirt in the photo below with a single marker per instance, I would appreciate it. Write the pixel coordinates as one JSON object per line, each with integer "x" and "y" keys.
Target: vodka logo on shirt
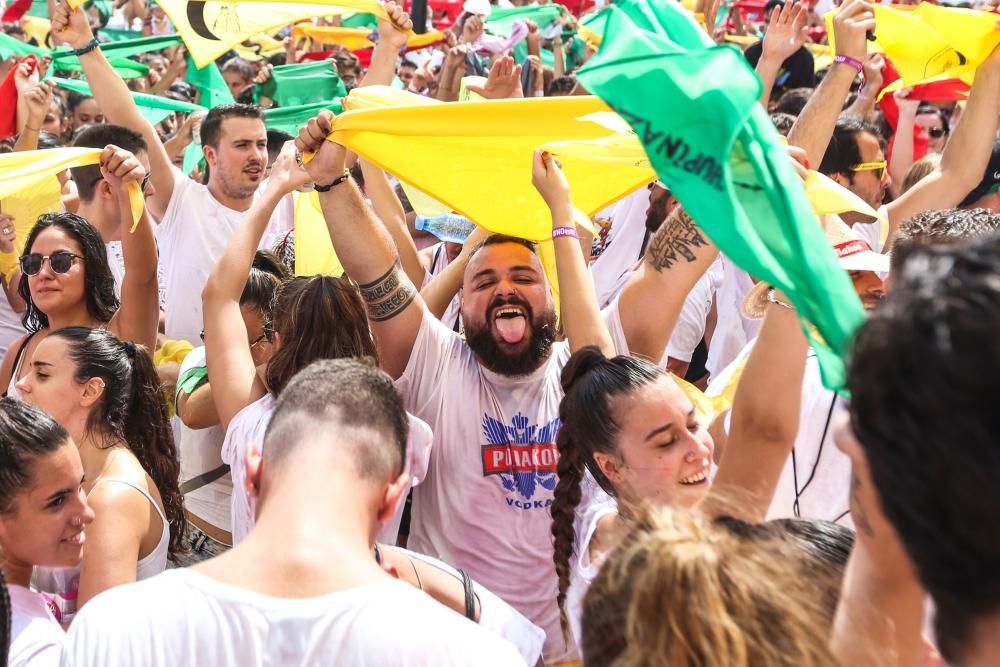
{"x": 523, "y": 457}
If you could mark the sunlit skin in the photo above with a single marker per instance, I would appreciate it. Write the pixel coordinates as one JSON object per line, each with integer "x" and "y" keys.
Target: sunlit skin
{"x": 51, "y": 383}
{"x": 663, "y": 453}
{"x": 866, "y": 184}
{"x": 46, "y": 524}
{"x": 505, "y": 274}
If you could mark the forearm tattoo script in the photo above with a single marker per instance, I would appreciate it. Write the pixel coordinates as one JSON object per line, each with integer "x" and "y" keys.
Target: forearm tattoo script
{"x": 675, "y": 240}
{"x": 388, "y": 295}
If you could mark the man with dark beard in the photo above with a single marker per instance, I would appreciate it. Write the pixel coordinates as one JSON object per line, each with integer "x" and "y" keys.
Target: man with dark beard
{"x": 492, "y": 400}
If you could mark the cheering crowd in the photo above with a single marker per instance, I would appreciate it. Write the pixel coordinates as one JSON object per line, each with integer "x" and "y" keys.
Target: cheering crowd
{"x": 612, "y": 446}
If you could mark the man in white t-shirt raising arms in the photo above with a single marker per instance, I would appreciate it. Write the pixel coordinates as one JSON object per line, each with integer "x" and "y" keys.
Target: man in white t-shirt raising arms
{"x": 195, "y": 220}
{"x": 304, "y": 587}
{"x": 492, "y": 399}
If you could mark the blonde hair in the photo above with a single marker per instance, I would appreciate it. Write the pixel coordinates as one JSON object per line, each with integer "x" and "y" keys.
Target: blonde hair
{"x": 684, "y": 590}
{"x": 920, "y": 170}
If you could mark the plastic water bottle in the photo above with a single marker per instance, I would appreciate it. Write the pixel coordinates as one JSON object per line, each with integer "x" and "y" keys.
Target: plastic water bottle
{"x": 450, "y": 227}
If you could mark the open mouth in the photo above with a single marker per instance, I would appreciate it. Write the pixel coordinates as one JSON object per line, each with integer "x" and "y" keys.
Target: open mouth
{"x": 700, "y": 477}
{"x": 511, "y": 323}
{"x": 253, "y": 172}
{"x": 75, "y": 540}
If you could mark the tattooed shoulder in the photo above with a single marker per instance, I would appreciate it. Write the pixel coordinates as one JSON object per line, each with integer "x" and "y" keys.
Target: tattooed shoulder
{"x": 674, "y": 241}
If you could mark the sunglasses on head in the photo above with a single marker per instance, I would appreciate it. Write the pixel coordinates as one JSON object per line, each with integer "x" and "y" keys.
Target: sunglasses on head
{"x": 59, "y": 262}
{"x": 878, "y": 167}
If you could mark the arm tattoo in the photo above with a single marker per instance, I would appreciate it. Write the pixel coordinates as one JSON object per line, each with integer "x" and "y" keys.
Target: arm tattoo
{"x": 676, "y": 239}
{"x": 387, "y": 296}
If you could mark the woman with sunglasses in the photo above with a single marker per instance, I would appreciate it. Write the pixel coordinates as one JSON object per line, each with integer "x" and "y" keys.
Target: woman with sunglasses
{"x": 43, "y": 514}
{"x": 107, "y": 395}
{"x": 317, "y": 317}
{"x": 206, "y": 483}
{"x": 66, "y": 280}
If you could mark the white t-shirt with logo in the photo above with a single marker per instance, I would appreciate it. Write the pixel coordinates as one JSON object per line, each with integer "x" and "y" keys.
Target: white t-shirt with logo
{"x": 192, "y": 235}
{"x": 484, "y": 506}
{"x": 183, "y": 617}
{"x": 621, "y": 228}
{"x": 36, "y": 640}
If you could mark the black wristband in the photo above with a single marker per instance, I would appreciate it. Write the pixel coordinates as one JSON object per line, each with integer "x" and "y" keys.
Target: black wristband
{"x": 93, "y": 44}
{"x": 337, "y": 181}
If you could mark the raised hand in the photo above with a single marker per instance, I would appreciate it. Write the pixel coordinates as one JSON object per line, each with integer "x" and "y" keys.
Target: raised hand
{"x": 548, "y": 178}
{"x": 70, "y": 26}
{"x": 473, "y": 29}
{"x": 851, "y": 25}
{"x": 286, "y": 172}
{"x": 907, "y": 107}
{"x": 38, "y": 97}
{"x": 786, "y": 31}
{"x": 873, "y": 69}
{"x": 397, "y": 29}
{"x": 7, "y": 233}
{"x": 503, "y": 82}
{"x": 328, "y": 161}
{"x": 119, "y": 167}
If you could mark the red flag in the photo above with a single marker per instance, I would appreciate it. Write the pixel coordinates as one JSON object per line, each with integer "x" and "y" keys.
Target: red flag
{"x": 8, "y": 99}
{"x": 16, "y": 10}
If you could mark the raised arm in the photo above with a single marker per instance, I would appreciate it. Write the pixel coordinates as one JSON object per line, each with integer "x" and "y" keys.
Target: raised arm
{"x": 765, "y": 418}
{"x": 650, "y": 303}
{"x": 138, "y": 317}
{"x": 902, "y": 145}
{"x": 966, "y": 156}
{"x": 814, "y": 127}
{"x": 71, "y": 27}
{"x": 365, "y": 248}
{"x": 231, "y": 369}
{"x": 443, "y": 287}
{"x": 390, "y": 211}
{"x": 578, "y": 309}
{"x": 392, "y": 36}
{"x": 864, "y": 103}
{"x": 786, "y": 33}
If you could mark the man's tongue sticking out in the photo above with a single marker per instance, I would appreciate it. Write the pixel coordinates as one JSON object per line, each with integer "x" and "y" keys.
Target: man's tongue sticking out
{"x": 512, "y": 328}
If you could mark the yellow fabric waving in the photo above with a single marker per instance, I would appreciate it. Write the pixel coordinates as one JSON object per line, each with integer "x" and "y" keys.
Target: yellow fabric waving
{"x": 829, "y": 197}
{"x": 210, "y": 28}
{"x": 929, "y": 42}
{"x": 476, "y": 156}
{"x": 314, "y": 252}
{"x": 259, "y": 47}
{"x": 354, "y": 39}
{"x": 21, "y": 174}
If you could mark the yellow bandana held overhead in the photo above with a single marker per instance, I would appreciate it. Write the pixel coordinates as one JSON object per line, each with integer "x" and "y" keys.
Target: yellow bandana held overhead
{"x": 210, "y": 28}
{"x": 475, "y": 157}
{"x": 354, "y": 39}
{"x": 29, "y": 174}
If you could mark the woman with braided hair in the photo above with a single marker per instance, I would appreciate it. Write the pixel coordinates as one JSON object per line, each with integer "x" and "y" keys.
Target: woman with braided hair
{"x": 106, "y": 394}
{"x": 630, "y": 436}
{"x": 43, "y": 514}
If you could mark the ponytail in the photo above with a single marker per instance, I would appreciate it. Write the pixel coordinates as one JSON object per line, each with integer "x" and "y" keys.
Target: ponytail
{"x": 132, "y": 410}
{"x": 590, "y": 381}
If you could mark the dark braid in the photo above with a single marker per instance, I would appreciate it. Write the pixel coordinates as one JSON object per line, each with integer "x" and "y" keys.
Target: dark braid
{"x": 590, "y": 381}
{"x": 565, "y": 500}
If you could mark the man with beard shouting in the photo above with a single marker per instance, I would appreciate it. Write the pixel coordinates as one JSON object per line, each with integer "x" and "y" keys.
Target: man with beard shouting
{"x": 493, "y": 398}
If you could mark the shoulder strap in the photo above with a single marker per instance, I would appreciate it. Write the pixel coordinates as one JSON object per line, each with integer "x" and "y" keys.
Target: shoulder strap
{"x": 470, "y": 596}
{"x": 203, "y": 479}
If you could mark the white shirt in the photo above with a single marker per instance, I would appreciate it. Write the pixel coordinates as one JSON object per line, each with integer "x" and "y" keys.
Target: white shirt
{"x": 819, "y": 474}
{"x": 732, "y": 330}
{"x": 594, "y": 505}
{"x": 185, "y": 618}
{"x": 625, "y": 225}
{"x": 248, "y": 428}
{"x": 201, "y": 451}
{"x": 36, "y": 640}
{"x": 192, "y": 235}
{"x": 484, "y": 506}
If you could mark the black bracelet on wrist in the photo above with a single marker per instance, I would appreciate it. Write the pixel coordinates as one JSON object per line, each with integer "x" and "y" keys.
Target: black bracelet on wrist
{"x": 91, "y": 45}
{"x": 337, "y": 181}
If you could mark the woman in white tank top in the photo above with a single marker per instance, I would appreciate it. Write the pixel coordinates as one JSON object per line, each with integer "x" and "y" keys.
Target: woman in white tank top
{"x": 65, "y": 280}
{"x": 105, "y": 393}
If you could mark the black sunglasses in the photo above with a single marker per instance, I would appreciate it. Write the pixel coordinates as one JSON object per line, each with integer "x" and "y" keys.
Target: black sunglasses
{"x": 59, "y": 262}
{"x": 936, "y": 132}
